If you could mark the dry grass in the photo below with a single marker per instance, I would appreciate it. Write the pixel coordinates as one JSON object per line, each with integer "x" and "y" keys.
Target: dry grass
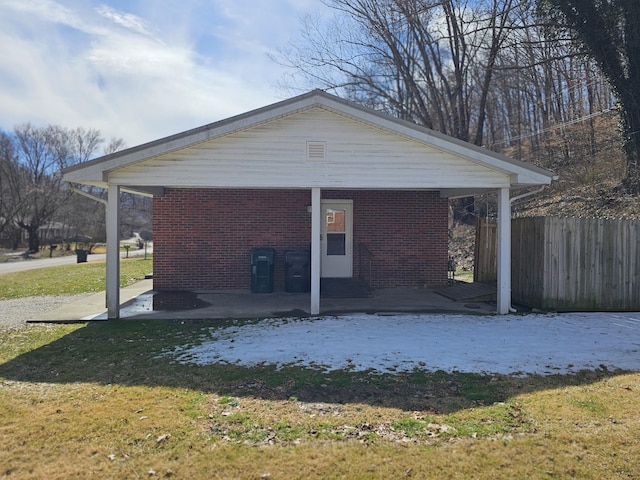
{"x": 97, "y": 401}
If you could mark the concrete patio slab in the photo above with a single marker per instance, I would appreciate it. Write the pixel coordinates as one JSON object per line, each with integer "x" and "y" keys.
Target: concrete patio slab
{"x": 138, "y": 302}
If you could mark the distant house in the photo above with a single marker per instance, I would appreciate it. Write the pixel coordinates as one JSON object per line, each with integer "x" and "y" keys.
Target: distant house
{"x": 12, "y": 235}
{"x": 313, "y": 172}
{"x": 55, "y": 232}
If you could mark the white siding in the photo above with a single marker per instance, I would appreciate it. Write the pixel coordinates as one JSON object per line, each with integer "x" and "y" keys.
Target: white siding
{"x": 274, "y": 155}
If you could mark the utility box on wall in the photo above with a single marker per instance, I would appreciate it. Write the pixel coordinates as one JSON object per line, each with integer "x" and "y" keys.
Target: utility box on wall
{"x": 262, "y": 260}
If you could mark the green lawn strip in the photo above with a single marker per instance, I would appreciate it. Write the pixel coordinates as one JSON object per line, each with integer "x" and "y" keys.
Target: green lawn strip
{"x": 69, "y": 279}
{"x": 111, "y": 397}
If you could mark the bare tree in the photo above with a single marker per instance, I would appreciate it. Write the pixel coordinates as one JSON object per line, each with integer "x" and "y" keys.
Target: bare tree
{"x": 9, "y": 172}
{"x": 608, "y": 30}
{"x": 427, "y": 61}
{"x": 114, "y": 145}
{"x": 84, "y": 216}
{"x": 40, "y": 154}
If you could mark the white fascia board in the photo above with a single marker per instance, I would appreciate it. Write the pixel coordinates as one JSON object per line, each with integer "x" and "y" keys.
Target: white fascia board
{"x": 149, "y": 192}
{"x": 86, "y": 178}
{"x": 464, "y": 192}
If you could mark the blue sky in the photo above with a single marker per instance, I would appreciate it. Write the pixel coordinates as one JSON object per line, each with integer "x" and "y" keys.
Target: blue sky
{"x": 142, "y": 69}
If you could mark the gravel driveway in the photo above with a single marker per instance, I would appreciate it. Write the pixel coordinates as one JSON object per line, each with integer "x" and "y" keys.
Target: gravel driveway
{"x": 14, "y": 313}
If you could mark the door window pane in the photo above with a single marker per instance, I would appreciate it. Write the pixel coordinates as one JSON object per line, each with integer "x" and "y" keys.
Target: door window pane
{"x": 336, "y": 232}
{"x": 335, "y": 220}
{"x": 336, "y": 244}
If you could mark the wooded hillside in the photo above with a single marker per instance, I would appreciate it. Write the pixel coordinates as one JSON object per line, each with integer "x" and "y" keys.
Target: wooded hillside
{"x": 588, "y": 158}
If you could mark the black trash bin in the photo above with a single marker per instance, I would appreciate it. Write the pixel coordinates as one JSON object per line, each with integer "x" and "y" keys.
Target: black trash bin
{"x": 81, "y": 256}
{"x": 297, "y": 268}
{"x": 262, "y": 270}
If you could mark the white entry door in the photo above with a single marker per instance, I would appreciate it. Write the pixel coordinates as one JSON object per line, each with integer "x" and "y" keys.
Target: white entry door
{"x": 337, "y": 238}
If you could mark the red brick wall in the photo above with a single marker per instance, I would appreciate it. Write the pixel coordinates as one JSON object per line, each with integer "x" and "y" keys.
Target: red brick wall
{"x": 203, "y": 237}
{"x": 405, "y": 230}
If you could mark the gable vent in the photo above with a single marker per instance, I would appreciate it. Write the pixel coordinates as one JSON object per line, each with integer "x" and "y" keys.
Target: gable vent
{"x": 316, "y": 151}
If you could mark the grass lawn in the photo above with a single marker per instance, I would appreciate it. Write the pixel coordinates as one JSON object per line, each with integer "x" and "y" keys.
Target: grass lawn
{"x": 106, "y": 400}
{"x": 70, "y": 279}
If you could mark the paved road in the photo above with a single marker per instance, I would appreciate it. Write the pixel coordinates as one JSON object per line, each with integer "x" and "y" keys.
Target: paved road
{"x": 32, "y": 263}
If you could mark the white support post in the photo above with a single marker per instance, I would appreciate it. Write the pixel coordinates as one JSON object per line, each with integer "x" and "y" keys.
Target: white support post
{"x": 316, "y": 226}
{"x": 504, "y": 252}
{"x": 113, "y": 252}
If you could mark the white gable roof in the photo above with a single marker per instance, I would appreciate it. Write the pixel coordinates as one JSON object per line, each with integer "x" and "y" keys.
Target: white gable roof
{"x": 314, "y": 140}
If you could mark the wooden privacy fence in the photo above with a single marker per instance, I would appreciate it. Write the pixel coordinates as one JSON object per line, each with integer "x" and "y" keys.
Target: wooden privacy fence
{"x": 567, "y": 263}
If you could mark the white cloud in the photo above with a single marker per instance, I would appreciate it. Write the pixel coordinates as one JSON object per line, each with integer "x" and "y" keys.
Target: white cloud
{"x": 45, "y": 9}
{"x": 153, "y": 70}
{"x": 127, "y": 20}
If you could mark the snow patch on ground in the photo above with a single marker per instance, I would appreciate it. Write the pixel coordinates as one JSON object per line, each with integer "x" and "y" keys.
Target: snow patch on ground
{"x": 530, "y": 344}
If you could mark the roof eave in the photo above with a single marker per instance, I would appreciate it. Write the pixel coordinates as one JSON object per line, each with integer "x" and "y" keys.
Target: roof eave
{"x": 97, "y": 171}
{"x": 197, "y": 135}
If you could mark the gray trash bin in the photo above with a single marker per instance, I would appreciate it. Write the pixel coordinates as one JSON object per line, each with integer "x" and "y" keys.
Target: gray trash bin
{"x": 81, "y": 256}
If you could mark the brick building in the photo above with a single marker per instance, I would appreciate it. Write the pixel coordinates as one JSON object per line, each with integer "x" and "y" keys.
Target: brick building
{"x": 313, "y": 173}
